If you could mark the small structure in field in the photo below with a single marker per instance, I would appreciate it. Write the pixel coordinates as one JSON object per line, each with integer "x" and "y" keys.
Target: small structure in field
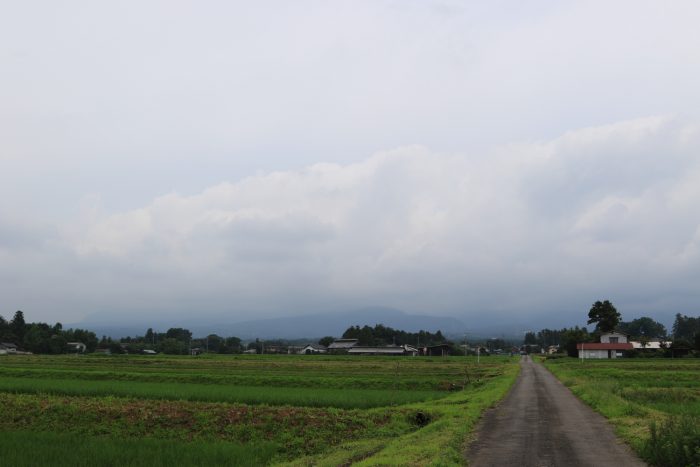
{"x": 386, "y": 350}
{"x": 77, "y": 347}
{"x": 342, "y": 345}
{"x": 440, "y": 350}
{"x": 313, "y": 348}
{"x": 8, "y": 347}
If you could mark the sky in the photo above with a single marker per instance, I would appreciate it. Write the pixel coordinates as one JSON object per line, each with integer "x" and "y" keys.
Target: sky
{"x": 485, "y": 160}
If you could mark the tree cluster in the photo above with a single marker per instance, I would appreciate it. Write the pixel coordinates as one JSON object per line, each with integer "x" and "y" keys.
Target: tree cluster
{"x": 43, "y": 338}
{"x": 643, "y": 328}
{"x": 686, "y": 331}
{"x": 175, "y": 341}
{"x": 381, "y": 335}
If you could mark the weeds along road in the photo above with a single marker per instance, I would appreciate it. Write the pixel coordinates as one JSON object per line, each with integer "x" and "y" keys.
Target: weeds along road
{"x": 541, "y": 423}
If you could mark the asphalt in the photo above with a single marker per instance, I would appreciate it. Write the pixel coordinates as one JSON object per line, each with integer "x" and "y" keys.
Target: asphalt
{"x": 541, "y": 423}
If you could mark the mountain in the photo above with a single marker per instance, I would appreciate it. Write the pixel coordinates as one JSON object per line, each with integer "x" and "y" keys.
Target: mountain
{"x": 287, "y": 327}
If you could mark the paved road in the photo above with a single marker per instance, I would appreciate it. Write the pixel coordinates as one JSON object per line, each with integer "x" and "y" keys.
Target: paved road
{"x": 541, "y": 423}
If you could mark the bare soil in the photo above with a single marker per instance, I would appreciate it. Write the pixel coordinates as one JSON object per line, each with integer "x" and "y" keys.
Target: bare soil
{"x": 541, "y": 423}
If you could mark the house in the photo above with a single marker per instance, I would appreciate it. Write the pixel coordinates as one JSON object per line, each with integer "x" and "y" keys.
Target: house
{"x": 440, "y": 350}
{"x": 77, "y": 347}
{"x": 313, "y": 348}
{"x": 387, "y": 350}
{"x": 611, "y": 345}
{"x": 602, "y": 349}
{"x": 613, "y": 338}
{"x": 341, "y": 345}
{"x": 8, "y": 347}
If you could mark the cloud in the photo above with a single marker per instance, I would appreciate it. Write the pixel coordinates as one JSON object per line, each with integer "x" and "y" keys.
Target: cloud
{"x": 598, "y": 212}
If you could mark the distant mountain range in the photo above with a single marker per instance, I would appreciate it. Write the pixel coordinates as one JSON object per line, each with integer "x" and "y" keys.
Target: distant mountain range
{"x": 287, "y": 327}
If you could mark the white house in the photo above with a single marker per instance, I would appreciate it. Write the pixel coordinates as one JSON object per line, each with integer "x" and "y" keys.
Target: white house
{"x": 611, "y": 345}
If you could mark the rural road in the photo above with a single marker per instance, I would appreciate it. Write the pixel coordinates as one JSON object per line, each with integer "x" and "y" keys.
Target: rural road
{"x": 541, "y": 423}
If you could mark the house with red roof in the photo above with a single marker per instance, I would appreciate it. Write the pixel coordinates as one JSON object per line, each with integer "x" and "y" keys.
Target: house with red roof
{"x": 611, "y": 345}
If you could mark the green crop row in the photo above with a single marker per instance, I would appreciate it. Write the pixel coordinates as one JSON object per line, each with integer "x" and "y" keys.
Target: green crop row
{"x": 272, "y": 395}
{"x": 29, "y": 449}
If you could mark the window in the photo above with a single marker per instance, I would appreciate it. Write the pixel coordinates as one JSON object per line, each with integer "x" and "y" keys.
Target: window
{"x": 613, "y": 340}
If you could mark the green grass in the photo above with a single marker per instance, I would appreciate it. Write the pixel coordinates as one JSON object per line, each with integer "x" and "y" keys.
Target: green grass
{"x": 636, "y": 395}
{"x": 26, "y": 448}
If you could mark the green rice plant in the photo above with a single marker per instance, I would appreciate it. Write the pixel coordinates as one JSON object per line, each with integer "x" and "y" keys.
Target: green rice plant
{"x": 29, "y": 449}
{"x": 316, "y": 397}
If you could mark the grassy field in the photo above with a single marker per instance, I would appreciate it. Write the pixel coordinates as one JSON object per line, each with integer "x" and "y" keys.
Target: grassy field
{"x": 654, "y": 404}
{"x": 258, "y": 410}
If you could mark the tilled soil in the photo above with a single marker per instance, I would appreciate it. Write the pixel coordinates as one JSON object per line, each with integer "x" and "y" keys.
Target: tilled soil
{"x": 541, "y": 424}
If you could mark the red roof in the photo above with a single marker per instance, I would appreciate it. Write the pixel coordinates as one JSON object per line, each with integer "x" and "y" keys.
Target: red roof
{"x": 603, "y": 346}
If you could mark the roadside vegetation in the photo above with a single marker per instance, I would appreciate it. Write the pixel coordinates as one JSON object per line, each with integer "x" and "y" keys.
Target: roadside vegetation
{"x": 654, "y": 404}
{"x": 256, "y": 409}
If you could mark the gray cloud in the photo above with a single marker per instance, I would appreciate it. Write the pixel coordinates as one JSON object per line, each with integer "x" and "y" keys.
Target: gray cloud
{"x": 525, "y": 228}
{"x": 165, "y": 156}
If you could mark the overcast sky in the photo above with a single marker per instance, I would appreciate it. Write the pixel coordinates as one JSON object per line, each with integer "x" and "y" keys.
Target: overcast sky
{"x": 269, "y": 158}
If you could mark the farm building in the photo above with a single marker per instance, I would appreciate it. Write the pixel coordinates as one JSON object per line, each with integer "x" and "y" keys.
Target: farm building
{"x": 653, "y": 344}
{"x": 313, "y": 348}
{"x": 441, "y": 350}
{"x": 388, "y": 350}
{"x": 342, "y": 345}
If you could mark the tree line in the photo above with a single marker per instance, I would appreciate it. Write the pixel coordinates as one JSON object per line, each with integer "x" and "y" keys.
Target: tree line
{"x": 43, "y": 337}
{"x": 381, "y": 335}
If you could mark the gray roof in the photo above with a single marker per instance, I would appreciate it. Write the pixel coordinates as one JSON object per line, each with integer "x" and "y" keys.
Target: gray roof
{"x": 390, "y": 350}
{"x": 343, "y": 344}
{"x": 315, "y": 347}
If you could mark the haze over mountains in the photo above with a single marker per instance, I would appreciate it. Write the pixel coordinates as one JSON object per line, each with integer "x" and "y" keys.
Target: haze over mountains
{"x": 287, "y": 327}
{"x": 316, "y": 325}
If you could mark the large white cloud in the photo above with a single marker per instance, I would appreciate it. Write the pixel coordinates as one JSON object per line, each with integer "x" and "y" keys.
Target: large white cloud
{"x": 599, "y": 212}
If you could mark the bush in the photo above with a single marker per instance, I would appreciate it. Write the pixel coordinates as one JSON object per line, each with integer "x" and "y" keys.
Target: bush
{"x": 675, "y": 443}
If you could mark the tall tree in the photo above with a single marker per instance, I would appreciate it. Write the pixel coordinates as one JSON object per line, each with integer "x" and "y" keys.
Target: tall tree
{"x": 605, "y": 315}
{"x": 18, "y": 326}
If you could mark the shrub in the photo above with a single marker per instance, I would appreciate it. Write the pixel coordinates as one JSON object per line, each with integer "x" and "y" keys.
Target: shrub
{"x": 675, "y": 443}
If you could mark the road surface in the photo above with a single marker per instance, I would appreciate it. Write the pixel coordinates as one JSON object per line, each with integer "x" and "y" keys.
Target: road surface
{"x": 541, "y": 423}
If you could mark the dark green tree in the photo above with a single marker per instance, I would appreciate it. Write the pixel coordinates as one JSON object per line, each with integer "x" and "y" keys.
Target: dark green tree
{"x": 643, "y": 327}
{"x": 530, "y": 338}
{"x": 326, "y": 341}
{"x": 604, "y": 315}
{"x": 180, "y": 334}
{"x": 570, "y": 337}
{"x": 18, "y": 326}
{"x": 685, "y": 327}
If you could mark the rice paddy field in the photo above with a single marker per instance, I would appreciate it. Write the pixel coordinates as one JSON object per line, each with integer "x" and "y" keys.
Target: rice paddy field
{"x": 243, "y": 410}
{"x": 654, "y": 404}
